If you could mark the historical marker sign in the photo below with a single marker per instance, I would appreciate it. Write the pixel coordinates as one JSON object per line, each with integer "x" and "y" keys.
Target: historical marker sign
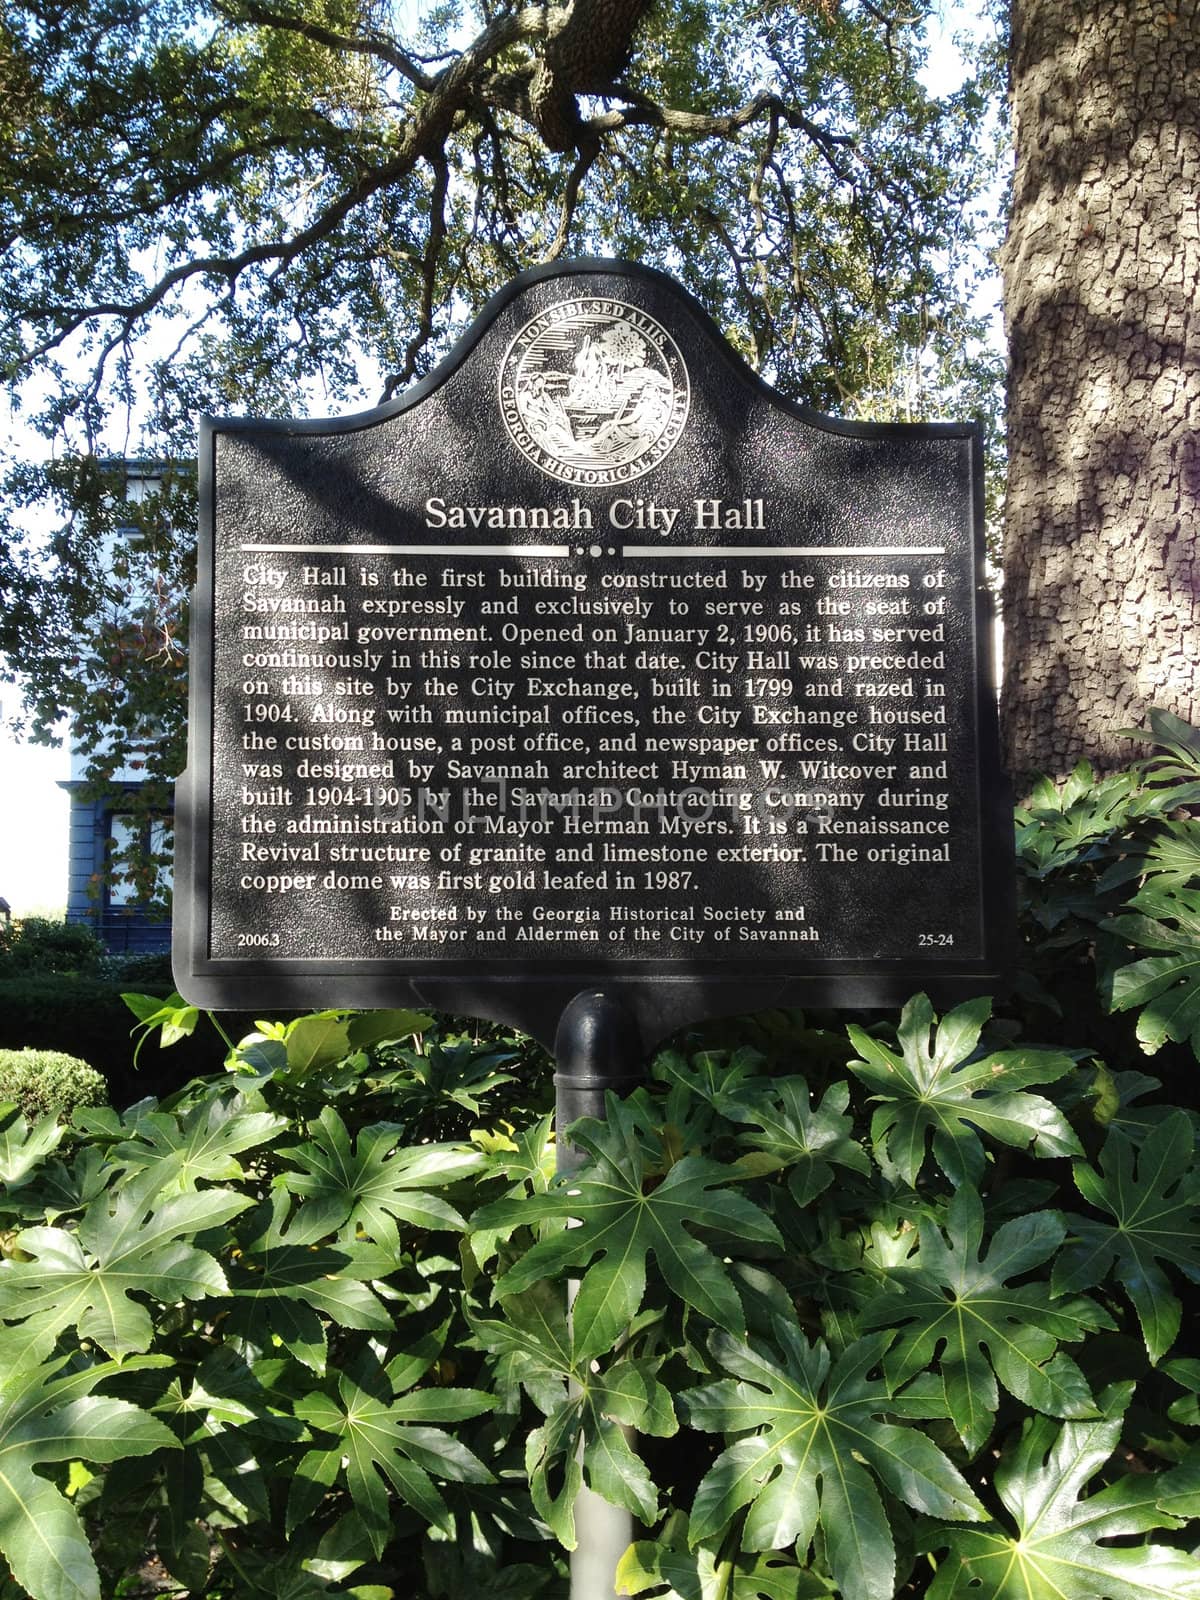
{"x": 590, "y": 660}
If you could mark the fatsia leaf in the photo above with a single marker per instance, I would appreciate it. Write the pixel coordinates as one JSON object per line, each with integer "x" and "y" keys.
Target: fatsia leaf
{"x": 714, "y": 1076}
{"x": 524, "y": 1156}
{"x": 622, "y": 1221}
{"x": 203, "y": 1143}
{"x": 939, "y": 1085}
{"x": 445, "y": 1077}
{"x": 1164, "y": 987}
{"x": 127, "y": 1243}
{"x": 317, "y": 1041}
{"x": 527, "y": 1159}
{"x": 285, "y": 1283}
{"x": 1055, "y": 1548}
{"x": 382, "y": 1435}
{"x": 1152, "y": 1194}
{"x": 672, "y": 1571}
{"x": 50, "y": 1415}
{"x": 587, "y": 1409}
{"x": 223, "y": 1416}
{"x": 373, "y": 1184}
{"x": 702, "y": 1090}
{"x": 795, "y": 1134}
{"x": 372, "y": 1028}
{"x": 23, "y": 1148}
{"x": 813, "y": 1449}
{"x": 950, "y": 1297}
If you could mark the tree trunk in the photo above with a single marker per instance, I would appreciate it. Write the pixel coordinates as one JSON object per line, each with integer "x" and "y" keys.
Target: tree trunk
{"x": 1101, "y": 282}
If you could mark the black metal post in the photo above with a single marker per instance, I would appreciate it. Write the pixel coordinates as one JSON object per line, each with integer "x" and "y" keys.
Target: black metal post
{"x": 597, "y": 1048}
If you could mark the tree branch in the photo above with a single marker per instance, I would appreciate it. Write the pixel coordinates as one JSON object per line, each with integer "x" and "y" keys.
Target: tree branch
{"x": 423, "y": 140}
{"x": 589, "y": 151}
{"x": 370, "y": 43}
{"x": 429, "y": 266}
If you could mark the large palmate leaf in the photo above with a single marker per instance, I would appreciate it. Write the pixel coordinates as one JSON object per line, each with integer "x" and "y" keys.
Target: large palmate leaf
{"x": 938, "y": 1086}
{"x": 381, "y": 1433}
{"x": 286, "y": 1283}
{"x": 369, "y": 1185}
{"x": 622, "y": 1220}
{"x": 1165, "y": 987}
{"x": 1170, "y": 858}
{"x": 524, "y": 1156}
{"x": 222, "y": 1413}
{"x": 50, "y": 1415}
{"x": 444, "y": 1079}
{"x": 716, "y": 1077}
{"x": 1056, "y": 1550}
{"x": 1152, "y": 1194}
{"x": 795, "y": 1134}
{"x": 23, "y": 1148}
{"x": 204, "y": 1143}
{"x": 129, "y": 1243}
{"x": 818, "y": 1453}
{"x": 702, "y": 1091}
{"x": 948, "y": 1297}
{"x": 672, "y": 1571}
{"x": 583, "y": 1439}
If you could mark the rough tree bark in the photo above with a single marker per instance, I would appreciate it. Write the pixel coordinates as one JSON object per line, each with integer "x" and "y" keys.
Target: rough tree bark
{"x": 1102, "y": 291}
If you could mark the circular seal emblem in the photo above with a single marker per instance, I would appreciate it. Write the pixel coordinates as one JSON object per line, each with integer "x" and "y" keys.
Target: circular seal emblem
{"x": 594, "y": 391}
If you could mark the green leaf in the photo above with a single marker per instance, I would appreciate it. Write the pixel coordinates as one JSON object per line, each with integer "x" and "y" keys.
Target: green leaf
{"x": 284, "y": 1286}
{"x": 48, "y": 1415}
{"x": 382, "y": 1438}
{"x": 129, "y": 1243}
{"x": 320, "y": 1040}
{"x": 203, "y": 1143}
{"x": 24, "y": 1148}
{"x": 174, "y": 1016}
{"x": 1166, "y": 987}
{"x": 796, "y": 1135}
{"x": 622, "y": 1224}
{"x": 1152, "y": 1194}
{"x": 371, "y": 1028}
{"x": 444, "y": 1080}
{"x": 676, "y": 1572}
{"x": 813, "y": 1449}
{"x": 588, "y": 1410}
{"x": 372, "y": 1184}
{"x": 952, "y": 1299}
{"x": 1057, "y": 1551}
{"x": 939, "y": 1086}
{"x": 228, "y": 1418}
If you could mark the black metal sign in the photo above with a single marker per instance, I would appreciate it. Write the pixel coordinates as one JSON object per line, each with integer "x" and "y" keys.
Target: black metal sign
{"x": 590, "y": 660}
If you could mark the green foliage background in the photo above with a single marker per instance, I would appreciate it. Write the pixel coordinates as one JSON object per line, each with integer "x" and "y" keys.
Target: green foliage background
{"x": 895, "y": 1308}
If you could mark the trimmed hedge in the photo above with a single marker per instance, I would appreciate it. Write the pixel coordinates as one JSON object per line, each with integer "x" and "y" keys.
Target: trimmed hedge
{"x": 47, "y": 1082}
{"x": 85, "y": 1016}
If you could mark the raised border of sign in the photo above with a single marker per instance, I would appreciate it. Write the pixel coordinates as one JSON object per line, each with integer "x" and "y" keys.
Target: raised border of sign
{"x": 533, "y": 1000}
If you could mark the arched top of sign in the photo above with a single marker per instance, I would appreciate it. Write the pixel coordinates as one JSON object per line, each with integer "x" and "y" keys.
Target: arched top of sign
{"x": 588, "y": 310}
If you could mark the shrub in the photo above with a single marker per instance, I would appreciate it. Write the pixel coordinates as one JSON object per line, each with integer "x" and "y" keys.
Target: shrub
{"x": 85, "y": 1016}
{"x": 47, "y": 1083}
{"x": 40, "y": 945}
{"x": 862, "y": 1315}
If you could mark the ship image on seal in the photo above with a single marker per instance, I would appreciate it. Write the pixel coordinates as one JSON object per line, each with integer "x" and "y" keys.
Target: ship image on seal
{"x": 594, "y": 391}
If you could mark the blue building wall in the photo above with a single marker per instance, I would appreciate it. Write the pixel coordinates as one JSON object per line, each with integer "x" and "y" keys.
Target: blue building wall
{"x": 91, "y": 899}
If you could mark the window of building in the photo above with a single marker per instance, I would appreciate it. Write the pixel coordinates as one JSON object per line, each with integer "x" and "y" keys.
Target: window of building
{"x": 142, "y": 838}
